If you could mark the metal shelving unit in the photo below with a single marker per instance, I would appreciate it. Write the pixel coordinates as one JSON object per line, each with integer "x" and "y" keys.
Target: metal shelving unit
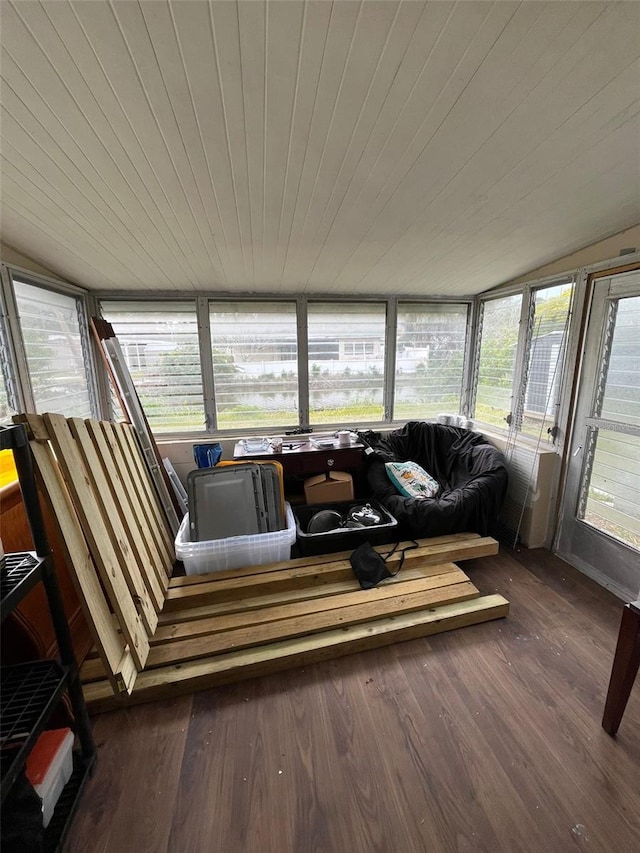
{"x": 30, "y": 692}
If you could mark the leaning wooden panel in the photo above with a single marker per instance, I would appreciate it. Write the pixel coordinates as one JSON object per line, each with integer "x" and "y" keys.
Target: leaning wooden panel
{"x": 147, "y": 520}
{"x": 131, "y": 513}
{"x": 126, "y": 433}
{"x": 139, "y": 476}
{"x": 142, "y": 584}
{"x": 97, "y": 536}
{"x": 180, "y": 679}
{"x": 115, "y": 656}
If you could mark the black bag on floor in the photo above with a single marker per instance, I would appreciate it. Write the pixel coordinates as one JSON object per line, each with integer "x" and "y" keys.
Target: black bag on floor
{"x": 370, "y": 567}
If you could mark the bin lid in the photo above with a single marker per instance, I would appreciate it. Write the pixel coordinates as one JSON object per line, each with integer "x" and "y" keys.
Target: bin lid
{"x": 226, "y": 501}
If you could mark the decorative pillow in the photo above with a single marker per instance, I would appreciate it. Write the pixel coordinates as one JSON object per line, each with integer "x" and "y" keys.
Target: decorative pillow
{"x": 411, "y": 480}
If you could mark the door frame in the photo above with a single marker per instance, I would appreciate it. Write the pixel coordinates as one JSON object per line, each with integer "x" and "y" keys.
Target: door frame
{"x": 603, "y": 549}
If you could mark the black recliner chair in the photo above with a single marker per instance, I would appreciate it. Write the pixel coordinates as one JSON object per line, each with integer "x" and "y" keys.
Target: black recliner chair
{"x": 472, "y": 475}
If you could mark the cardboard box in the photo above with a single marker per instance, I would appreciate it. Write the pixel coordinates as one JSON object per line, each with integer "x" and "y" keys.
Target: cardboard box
{"x": 329, "y": 487}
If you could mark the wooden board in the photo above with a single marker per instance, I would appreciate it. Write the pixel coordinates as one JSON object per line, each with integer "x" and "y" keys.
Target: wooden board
{"x": 143, "y": 585}
{"x": 133, "y": 455}
{"x": 115, "y": 655}
{"x": 234, "y": 624}
{"x": 188, "y": 638}
{"x": 188, "y": 677}
{"x": 230, "y": 616}
{"x": 315, "y": 560}
{"x": 128, "y": 397}
{"x": 131, "y": 511}
{"x": 301, "y": 576}
{"x": 97, "y": 536}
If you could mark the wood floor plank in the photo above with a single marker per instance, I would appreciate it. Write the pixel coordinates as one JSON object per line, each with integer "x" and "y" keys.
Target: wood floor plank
{"x": 124, "y": 744}
{"x": 482, "y": 740}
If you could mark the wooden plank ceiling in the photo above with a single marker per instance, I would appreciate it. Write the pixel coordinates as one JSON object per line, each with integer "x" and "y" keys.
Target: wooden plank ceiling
{"x": 287, "y": 147}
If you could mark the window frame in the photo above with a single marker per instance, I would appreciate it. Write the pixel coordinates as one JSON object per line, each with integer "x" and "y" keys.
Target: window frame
{"x": 467, "y": 361}
{"x": 526, "y": 322}
{"x": 203, "y": 300}
{"x": 21, "y": 394}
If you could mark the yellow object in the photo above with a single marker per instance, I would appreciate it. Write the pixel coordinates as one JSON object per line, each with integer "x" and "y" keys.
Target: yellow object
{"x": 8, "y": 471}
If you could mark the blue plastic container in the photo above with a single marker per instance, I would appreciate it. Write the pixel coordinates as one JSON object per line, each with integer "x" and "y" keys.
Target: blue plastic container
{"x": 207, "y": 455}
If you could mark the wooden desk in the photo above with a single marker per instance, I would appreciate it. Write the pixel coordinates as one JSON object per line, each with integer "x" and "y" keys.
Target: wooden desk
{"x": 300, "y": 458}
{"x": 625, "y": 667}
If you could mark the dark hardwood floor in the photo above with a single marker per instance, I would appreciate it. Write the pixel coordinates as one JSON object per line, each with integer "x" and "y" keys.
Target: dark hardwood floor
{"x": 487, "y": 738}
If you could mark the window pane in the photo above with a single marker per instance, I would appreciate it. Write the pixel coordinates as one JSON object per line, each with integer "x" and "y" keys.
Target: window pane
{"x": 255, "y": 364}
{"x": 498, "y": 346}
{"x": 613, "y": 498}
{"x": 622, "y": 393}
{"x": 545, "y": 357}
{"x": 160, "y": 345}
{"x": 6, "y": 410}
{"x": 53, "y": 345}
{"x": 346, "y": 362}
{"x": 429, "y": 360}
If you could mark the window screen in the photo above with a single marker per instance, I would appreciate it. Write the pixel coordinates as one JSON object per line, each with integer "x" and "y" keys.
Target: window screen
{"x": 159, "y": 341}
{"x": 544, "y": 370}
{"x": 611, "y": 493}
{"x": 498, "y": 348}
{"x": 430, "y": 348}
{"x": 346, "y": 362}
{"x": 55, "y": 350}
{"x": 6, "y": 397}
{"x": 255, "y": 364}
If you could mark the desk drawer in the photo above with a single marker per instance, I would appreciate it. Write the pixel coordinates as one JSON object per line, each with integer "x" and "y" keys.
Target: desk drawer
{"x": 329, "y": 460}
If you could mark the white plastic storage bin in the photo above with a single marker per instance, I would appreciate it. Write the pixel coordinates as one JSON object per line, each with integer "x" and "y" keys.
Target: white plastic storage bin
{"x": 49, "y": 768}
{"x": 233, "y": 552}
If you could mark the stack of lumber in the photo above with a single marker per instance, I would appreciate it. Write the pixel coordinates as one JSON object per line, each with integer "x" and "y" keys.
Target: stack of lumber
{"x": 158, "y": 636}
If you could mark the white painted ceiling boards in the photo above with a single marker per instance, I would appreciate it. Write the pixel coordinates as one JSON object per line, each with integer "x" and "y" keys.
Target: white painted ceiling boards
{"x": 348, "y": 147}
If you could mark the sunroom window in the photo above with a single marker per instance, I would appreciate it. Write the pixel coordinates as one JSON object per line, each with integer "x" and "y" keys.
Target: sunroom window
{"x": 548, "y": 336}
{"x": 346, "y": 362}
{"x": 430, "y": 349}
{"x": 255, "y": 364}
{"x": 54, "y": 336}
{"x": 500, "y": 321}
{"x": 159, "y": 341}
